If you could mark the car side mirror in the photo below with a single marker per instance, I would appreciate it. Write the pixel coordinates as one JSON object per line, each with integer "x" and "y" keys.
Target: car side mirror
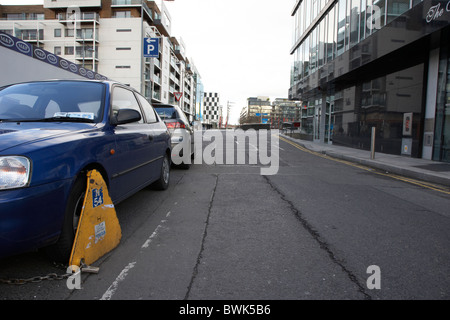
{"x": 125, "y": 116}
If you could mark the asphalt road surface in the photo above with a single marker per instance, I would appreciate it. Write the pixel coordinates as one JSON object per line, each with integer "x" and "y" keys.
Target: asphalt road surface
{"x": 318, "y": 229}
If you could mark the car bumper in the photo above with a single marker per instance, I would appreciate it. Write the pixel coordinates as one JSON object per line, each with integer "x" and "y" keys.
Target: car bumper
{"x": 180, "y": 146}
{"x": 31, "y": 218}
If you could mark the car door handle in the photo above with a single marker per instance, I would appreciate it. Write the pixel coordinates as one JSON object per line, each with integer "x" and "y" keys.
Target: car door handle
{"x": 150, "y": 138}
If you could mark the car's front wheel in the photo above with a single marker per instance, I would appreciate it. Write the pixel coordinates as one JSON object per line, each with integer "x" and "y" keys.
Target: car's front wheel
{"x": 61, "y": 250}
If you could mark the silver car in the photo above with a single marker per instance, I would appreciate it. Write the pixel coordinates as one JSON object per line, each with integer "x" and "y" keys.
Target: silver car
{"x": 181, "y": 132}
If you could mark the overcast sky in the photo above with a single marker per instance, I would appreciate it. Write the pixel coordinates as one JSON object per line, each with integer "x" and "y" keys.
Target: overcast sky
{"x": 240, "y": 47}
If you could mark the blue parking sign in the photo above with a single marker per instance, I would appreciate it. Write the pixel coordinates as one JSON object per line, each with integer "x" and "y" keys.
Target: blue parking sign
{"x": 151, "y": 47}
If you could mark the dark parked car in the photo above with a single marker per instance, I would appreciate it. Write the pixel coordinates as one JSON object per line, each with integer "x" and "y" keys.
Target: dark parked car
{"x": 51, "y": 134}
{"x": 181, "y": 131}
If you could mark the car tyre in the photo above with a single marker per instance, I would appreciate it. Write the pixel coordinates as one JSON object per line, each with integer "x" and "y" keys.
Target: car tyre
{"x": 163, "y": 182}
{"x": 185, "y": 166}
{"x": 61, "y": 250}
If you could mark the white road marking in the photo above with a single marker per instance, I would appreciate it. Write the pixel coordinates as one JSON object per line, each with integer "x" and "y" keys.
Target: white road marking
{"x": 121, "y": 277}
{"x": 112, "y": 289}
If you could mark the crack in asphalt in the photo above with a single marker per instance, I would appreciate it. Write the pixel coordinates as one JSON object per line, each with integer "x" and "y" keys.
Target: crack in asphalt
{"x": 317, "y": 237}
{"x": 205, "y": 233}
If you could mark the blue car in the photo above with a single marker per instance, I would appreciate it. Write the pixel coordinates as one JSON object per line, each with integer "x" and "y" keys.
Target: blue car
{"x": 51, "y": 134}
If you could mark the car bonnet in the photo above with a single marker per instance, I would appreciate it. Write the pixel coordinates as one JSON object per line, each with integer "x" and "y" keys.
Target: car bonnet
{"x": 13, "y": 135}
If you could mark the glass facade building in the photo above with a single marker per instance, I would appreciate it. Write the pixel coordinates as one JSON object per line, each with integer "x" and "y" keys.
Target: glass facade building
{"x": 359, "y": 64}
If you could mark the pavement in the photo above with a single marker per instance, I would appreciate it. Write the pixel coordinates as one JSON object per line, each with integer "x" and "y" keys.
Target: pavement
{"x": 420, "y": 169}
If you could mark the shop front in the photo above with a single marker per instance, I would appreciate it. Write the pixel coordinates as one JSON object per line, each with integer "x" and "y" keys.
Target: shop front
{"x": 395, "y": 78}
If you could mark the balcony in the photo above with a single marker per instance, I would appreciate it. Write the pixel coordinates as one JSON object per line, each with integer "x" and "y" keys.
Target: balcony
{"x": 87, "y": 35}
{"x": 57, "y": 4}
{"x": 86, "y": 55}
{"x": 179, "y": 52}
{"x": 132, "y": 3}
{"x": 84, "y": 17}
{"x": 157, "y": 63}
{"x": 157, "y": 79}
{"x": 162, "y": 24}
{"x": 32, "y": 36}
{"x": 126, "y": 3}
{"x": 156, "y": 95}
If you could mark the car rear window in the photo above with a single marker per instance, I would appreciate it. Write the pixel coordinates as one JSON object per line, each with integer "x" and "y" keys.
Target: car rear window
{"x": 166, "y": 113}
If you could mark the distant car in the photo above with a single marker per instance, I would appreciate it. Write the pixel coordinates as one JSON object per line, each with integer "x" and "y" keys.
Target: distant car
{"x": 51, "y": 134}
{"x": 181, "y": 131}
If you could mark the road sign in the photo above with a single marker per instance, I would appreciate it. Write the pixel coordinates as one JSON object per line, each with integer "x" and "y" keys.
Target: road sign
{"x": 151, "y": 47}
{"x": 178, "y": 95}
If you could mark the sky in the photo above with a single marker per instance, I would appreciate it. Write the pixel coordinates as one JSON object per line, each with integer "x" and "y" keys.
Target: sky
{"x": 239, "y": 47}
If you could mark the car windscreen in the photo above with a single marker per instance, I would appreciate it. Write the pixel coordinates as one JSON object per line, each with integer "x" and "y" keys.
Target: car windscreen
{"x": 166, "y": 113}
{"x": 53, "y": 101}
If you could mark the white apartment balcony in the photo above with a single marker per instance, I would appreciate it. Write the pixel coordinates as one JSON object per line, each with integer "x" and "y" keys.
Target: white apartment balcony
{"x": 132, "y": 3}
{"x": 84, "y": 17}
{"x": 179, "y": 52}
{"x": 156, "y": 95}
{"x": 88, "y": 54}
{"x": 86, "y": 36}
{"x": 56, "y": 4}
{"x": 156, "y": 79}
{"x": 31, "y": 36}
{"x": 29, "y": 31}
{"x": 162, "y": 24}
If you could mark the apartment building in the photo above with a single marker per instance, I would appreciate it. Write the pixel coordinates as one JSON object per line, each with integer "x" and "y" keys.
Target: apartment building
{"x": 107, "y": 36}
{"x": 212, "y": 112}
{"x": 259, "y": 109}
{"x": 285, "y": 110}
{"x": 359, "y": 64}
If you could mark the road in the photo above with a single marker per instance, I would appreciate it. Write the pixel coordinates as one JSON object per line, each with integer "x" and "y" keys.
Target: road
{"x": 226, "y": 232}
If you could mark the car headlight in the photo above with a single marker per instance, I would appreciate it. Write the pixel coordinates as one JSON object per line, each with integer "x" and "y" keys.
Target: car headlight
{"x": 14, "y": 172}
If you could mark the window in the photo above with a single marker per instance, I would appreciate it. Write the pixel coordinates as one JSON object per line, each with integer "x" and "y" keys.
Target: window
{"x": 68, "y": 51}
{"x": 42, "y": 100}
{"x": 347, "y": 24}
{"x": 330, "y": 42}
{"x": 85, "y": 34}
{"x": 148, "y": 110}
{"x": 313, "y": 50}
{"x": 322, "y": 40}
{"x": 395, "y": 8}
{"x": 58, "y": 33}
{"x": 362, "y": 23}
{"x": 124, "y": 99}
{"x": 122, "y": 14}
{"x": 354, "y": 22}
{"x": 381, "y": 5}
{"x": 341, "y": 27}
{"x": 314, "y": 9}
{"x": 306, "y": 57}
{"x": 15, "y": 16}
{"x": 57, "y": 51}
{"x": 69, "y": 33}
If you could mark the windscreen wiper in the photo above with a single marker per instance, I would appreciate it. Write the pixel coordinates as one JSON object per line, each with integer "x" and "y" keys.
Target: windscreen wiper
{"x": 52, "y": 119}
{"x": 66, "y": 119}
